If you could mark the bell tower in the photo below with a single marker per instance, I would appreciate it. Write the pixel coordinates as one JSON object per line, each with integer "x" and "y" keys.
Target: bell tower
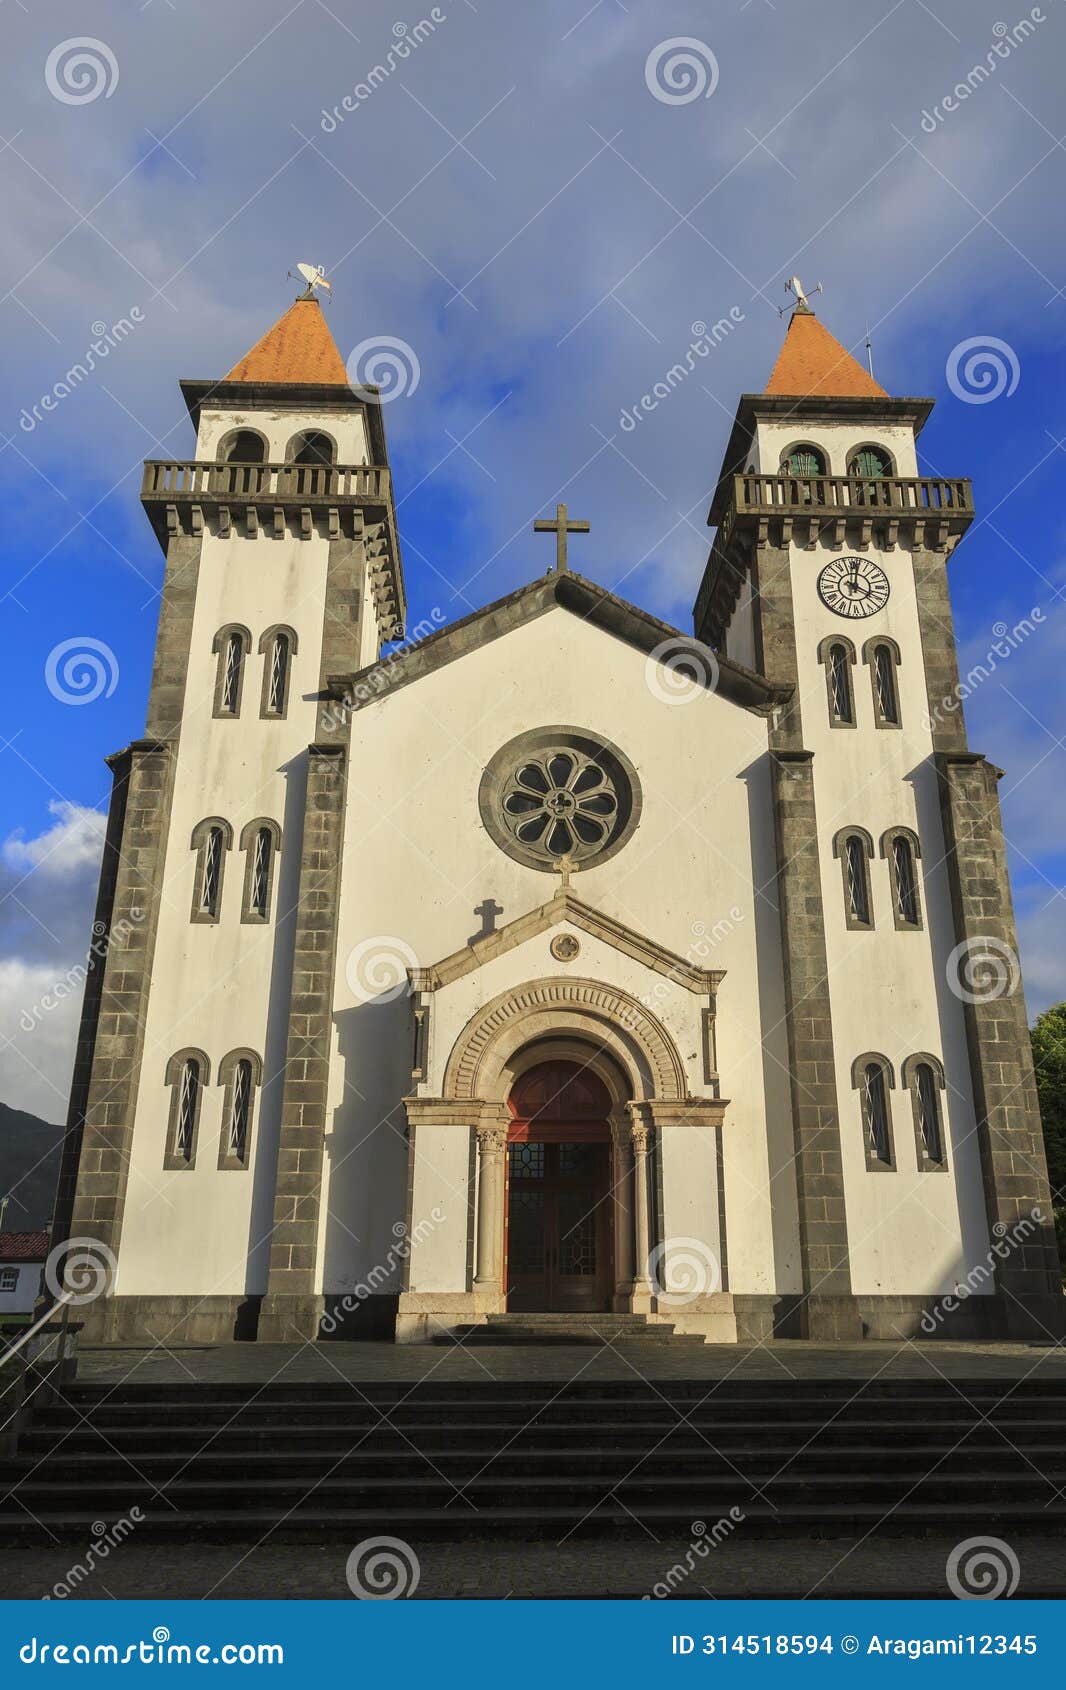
{"x": 828, "y": 576}
{"x": 198, "y": 1102}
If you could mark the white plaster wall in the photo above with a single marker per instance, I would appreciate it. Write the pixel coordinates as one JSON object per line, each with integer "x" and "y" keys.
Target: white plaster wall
{"x": 22, "y": 1298}
{"x": 225, "y": 985}
{"x": 347, "y": 427}
{"x": 909, "y": 1231}
{"x": 837, "y": 440}
{"x": 696, "y": 877}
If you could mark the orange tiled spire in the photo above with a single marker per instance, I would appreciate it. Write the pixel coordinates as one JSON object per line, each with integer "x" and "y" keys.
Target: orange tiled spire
{"x": 299, "y": 348}
{"x": 812, "y": 363}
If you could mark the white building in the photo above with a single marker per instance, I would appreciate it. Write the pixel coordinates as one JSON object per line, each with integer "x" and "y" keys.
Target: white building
{"x": 22, "y": 1259}
{"x": 557, "y": 960}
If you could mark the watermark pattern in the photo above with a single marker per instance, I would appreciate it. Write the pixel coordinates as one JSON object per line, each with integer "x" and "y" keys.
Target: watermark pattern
{"x": 105, "y": 1539}
{"x": 106, "y": 337}
{"x": 703, "y": 1541}
{"x": 155, "y": 1651}
{"x": 681, "y": 70}
{"x": 379, "y": 677}
{"x": 406, "y": 39}
{"x": 683, "y": 1269}
{"x": 382, "y": 368}
{"x": 381, "y": 1275}
{"x": 983, "y": 1273}
{"x": 83, "y": 1267}
{"x": 79, "y": 70}
{"x": 1006, "y": 640}
{"x": 982, "y": 969}
{"x": 377, "y": 968}
{"x": 72, "y": 982}
{"x": 1007, "y": 38}
{"x": 382, "y": 1569}
{"x": 680, "y": 669}
{"x": 81, "y": 670}
{"x": 982, "y": 1569}
{"x": 981, "y": 369}
{"x": 702, "y": 344}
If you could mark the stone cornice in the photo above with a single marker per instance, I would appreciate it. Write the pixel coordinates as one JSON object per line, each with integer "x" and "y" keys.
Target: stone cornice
{"x": 566, "y": 906}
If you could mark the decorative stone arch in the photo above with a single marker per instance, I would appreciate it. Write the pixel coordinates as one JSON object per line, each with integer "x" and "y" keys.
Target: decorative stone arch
{"x": 220, "y": 646}
{"x": 878, "y": 446}
{"x": 268, "y": 650}
{"x": 931, "y": 1157}
{"x": 481, "y": 1064}
{"x": 905, "y": 920}
{"x": 878, "y": 643}
{"x": 842, "y": 708}
{"x": 879, "y": 1158}
{"x": 855, "y": 898}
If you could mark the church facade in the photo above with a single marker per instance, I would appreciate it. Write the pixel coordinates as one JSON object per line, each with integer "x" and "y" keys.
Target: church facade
{"x": 556, "y": 961}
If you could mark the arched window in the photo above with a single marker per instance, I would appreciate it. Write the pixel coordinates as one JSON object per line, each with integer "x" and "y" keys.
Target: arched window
{"x": 311, "y": 447}
{"x": 278, "y": 647}
{"x": 872, "y": 1077}
{"x": 899, "y": 846}
{"x": 260, "y": 841}
{"x": 232, "y": 646}
{"x": 211, "y": 839}
{"x": 854, "y": 847}
{"x": 923, "y": 1075}
{"x": 242, "y": 446}
{"x": 871, "y": 463}
{"x": 882, "y": 656}
{"x": 837, "y": 654}
{"x": 803, "y": 460}
{"x": 187, "y": 1073}
{"x": 241, "y": 1074}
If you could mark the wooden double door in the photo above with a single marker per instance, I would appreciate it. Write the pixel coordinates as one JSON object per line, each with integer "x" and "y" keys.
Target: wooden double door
{"x": 558, "y": 1250}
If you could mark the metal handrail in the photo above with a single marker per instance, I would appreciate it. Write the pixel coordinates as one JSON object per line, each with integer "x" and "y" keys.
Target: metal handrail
{"x": 61, "y": 1302}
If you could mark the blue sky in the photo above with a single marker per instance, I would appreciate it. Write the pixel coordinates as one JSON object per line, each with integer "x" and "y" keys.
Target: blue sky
{"x": 542, "y": 230}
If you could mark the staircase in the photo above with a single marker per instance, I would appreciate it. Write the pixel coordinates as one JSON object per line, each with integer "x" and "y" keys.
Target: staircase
{"x": 443, "y": 1459}
{"x": 592, "y": 1329}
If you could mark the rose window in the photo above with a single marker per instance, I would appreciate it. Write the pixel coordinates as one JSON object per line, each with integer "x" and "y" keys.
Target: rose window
{"x": 559, "y": 793}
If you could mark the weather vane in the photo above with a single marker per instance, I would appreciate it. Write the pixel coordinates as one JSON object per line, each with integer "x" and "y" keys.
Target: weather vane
{"x": 315, "y": 277}
{"x": 795, "y": 286}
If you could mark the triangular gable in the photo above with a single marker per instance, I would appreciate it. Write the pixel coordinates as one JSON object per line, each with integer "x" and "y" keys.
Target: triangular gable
{"x": 565, "y": 906}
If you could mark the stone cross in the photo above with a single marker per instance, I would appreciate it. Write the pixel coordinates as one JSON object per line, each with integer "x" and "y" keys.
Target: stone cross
{"x": 561, "y": 527}
{"x": 564, "y": 868}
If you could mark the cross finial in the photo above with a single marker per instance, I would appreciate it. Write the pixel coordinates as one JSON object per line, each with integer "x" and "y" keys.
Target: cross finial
{"x": 564, "y": 868}
{"x": 561, "y": 527}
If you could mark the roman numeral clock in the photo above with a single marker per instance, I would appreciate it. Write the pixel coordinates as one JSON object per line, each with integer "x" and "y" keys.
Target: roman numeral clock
{"x": 853, "y": 587}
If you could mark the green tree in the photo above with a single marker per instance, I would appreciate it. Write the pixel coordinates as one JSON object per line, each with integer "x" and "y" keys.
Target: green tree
{"x": 1049, "y": 1058}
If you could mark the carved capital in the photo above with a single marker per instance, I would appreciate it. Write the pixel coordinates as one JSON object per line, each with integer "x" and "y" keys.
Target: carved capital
{"x": 491, "y": 1140}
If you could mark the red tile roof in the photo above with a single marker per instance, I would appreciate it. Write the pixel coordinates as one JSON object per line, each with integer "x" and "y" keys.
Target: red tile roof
{"x": 812, "y": 363}
{"x": 23, "y": 1246}
{"x": 299, "y": 348}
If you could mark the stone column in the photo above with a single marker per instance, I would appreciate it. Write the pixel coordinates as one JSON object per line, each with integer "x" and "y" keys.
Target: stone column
{"x": 622, "y": 1210}
{"x": 491, "y": 1145}
{"x": 641, "y": 1300}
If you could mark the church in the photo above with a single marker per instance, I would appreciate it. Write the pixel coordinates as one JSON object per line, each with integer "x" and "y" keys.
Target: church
{"x": 555, "y": 962}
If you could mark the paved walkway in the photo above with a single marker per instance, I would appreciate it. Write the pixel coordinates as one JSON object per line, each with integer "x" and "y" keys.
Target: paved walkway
{"x": 815, "y": 1568}
{"x": 402, "y": 1363}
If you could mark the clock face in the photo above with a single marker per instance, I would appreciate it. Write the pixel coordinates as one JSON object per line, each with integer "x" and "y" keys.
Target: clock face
{"x": 853, "y": 586}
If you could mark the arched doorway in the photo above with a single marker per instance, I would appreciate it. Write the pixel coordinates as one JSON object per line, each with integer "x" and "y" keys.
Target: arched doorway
{"x": 557, "y": 1249}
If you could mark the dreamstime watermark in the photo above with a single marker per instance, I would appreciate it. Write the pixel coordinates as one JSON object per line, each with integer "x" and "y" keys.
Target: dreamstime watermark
{"x": 407, "y": 38}
{"x": 382, "y": 368}
{"x": 1006, "y": 641}
{"x": 983, "y": 1273}
{"x": 72, "y": 982}
{"x": 381, "y": 1275}
{"x": 704, "y": 1539}
{"x": 982, "y": 1569}
{"x": 680, "y": 669}
{"x": 156, "y": 1651}
{"x": 682, "y": 1270}
{"x": 702, "y": 942}
{"x": 106, "y": 337}
{"x": 80, "y": 1268}
{"x": 982, "y": 969}
{"x": 382, "y": 1569}
{"x": 377, "y": 680}
{"x": 377, "y": 969}
{"x": 681, "y": 70}
{"x": 105, "y": 1539}
{"x": 81, "y": 670}
{"x": 981, "y": 369}
{"x": 703, "y": 342}
{"x": 79, "y": 70}
{"x": 1007, "y": 38}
